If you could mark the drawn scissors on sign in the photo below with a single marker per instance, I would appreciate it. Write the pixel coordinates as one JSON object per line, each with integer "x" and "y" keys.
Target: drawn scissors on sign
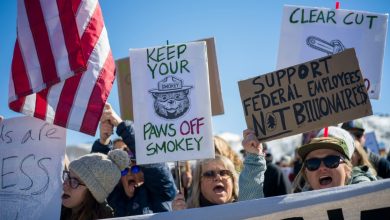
{"x": 332, "y": 47}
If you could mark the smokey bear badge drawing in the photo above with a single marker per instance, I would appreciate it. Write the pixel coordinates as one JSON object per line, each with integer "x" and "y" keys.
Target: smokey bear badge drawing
{"x": 171, "y": 98}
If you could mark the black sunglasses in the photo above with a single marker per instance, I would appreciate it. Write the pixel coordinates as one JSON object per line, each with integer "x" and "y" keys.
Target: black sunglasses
{"x": 331, "y": 162}
{"x": 211, "y": 174}
{"x": 73, "y": 182}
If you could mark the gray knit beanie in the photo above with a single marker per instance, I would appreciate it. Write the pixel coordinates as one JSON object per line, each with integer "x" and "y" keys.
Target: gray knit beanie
{"x": 100, "y": 172}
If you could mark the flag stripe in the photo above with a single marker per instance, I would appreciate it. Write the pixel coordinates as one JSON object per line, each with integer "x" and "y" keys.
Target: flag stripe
{"x": 29, "y": 104}
{"x": 92, "y": 32}
{"x": 72, "y": 38}
{"x": 22, "y": 88}
{"x": 53, "y": 100}
{"x": 67, "y": 103}
{"x": 84, "y": 14}
{"x": 41, "y": 41}
{"x": 66, "y": 100}
{"x": 41, "y": 104}
{"x": 11, "y": 88}
{"x": 99, "y": 97}
{"x": 28, "y": 50}
{"x": 17, "y": 105}
{"x": 56, "y": 40}
{"x": 98, "y": 57}
{"x": 76, "y": 5}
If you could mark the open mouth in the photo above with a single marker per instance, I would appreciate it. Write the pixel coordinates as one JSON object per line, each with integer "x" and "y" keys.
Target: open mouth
{"x": 131, "y": 182}
{"x": 325, "y": 180}
{"x": 65, "y": 196}
{"x": 219, "y": 189}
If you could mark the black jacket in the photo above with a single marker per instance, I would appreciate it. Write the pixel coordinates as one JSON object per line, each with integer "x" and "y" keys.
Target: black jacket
{"x": 275, "y": 184}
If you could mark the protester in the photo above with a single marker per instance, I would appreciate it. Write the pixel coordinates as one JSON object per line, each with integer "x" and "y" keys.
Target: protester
{"x": 118, "y": 143}
{"x": 186, "y": 177}
{"x": 355, "y": 127}
{"x": 252, "y": 176}
{"x": 356, "y": 152}
{"x": 215, "y": 182}
{"x": 381, "y": 165}
{"x": 326, "y": 163}
{"x": 360, "y": 159}
{"x": 275, "y": 183}
{"x": 88, "y": 182}
{"x": 285, "y": 163}
{"x": 223, "y": 148}
{"x": 143, "y": 189}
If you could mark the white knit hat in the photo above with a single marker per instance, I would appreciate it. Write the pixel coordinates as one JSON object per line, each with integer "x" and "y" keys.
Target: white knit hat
{"x": 100, "y": 172}
{"x": 342, "y": 134}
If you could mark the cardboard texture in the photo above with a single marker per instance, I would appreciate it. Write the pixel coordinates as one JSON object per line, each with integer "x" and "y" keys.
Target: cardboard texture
{"x": 124, "y": 83}
{"x": 305, "y": 97}
{"x": 123, "y": 80}
{"x": 215, "y": 84}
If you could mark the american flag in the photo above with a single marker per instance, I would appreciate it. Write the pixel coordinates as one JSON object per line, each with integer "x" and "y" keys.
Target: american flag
{"x": 62, "y": 68}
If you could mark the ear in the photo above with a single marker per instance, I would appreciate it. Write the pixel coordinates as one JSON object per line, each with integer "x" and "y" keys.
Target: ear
{"x": 186, "y": 91}
{"x": 154, "y": 95}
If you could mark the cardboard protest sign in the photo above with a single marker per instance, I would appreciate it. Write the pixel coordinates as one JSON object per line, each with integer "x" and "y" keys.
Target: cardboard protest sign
{"x": 123, "y": 80}
{"x": 365, "y": 201}
{"x": 171, "y": 103}
{"x": 308, "y": 33}
{"x": 305, "y": 97}
{"x": 124, "y": 83}
{"x": 32, "y": 153}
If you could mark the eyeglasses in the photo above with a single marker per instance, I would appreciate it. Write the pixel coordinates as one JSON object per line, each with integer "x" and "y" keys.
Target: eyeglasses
{"x": 134, "y": 169}
{"x": 211, "y": 174}
{"x": 331, "y": 162}
{"x": 73, "y": 182}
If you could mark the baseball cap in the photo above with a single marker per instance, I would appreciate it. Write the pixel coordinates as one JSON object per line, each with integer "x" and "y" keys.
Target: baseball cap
{"x": 342, "y": 134}
{"x": 353, "y": 125}
{"x": 333, "y": 143}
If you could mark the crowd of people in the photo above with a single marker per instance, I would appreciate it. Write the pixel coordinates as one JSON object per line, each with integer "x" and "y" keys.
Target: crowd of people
{"x": 109, "y": 183}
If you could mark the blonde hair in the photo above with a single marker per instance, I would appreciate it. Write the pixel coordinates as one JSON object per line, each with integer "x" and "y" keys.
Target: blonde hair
{"x": 223, "y": 148}
{"x": 193, "y": 201}
{"x": 363, "y": 158}
{"x": 301, "y": 183}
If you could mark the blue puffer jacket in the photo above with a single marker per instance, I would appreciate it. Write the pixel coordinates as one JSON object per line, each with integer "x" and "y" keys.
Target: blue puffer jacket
{"x": 157, "y": 192}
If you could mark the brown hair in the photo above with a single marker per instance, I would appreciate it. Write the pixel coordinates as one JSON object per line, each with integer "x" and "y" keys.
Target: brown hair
{"x": 89, "y": 209}
{"x": 223, "y": 148}
{"x": 193, "y": 201}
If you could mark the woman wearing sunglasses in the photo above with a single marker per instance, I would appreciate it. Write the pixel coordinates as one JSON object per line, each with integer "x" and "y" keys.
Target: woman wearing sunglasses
{"x": 142, "y": 189}
{"x": 215, "y": 182}
{"x": 326, "y": 163}
{"x": 88, "y": 182}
